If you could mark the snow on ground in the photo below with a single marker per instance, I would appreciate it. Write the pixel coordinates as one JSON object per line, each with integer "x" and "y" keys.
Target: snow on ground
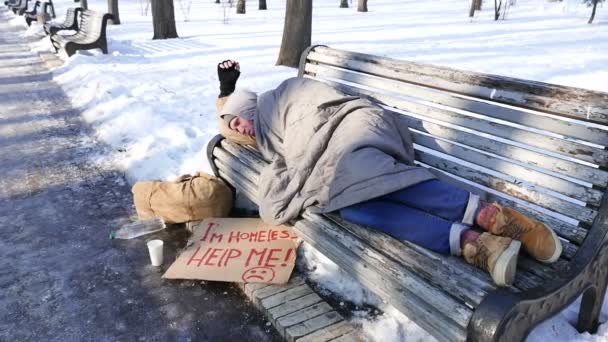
{"x": 153, "y": 101}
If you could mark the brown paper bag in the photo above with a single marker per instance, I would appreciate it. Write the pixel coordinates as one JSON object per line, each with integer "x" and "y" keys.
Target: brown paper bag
{"x": 189, "y": 198}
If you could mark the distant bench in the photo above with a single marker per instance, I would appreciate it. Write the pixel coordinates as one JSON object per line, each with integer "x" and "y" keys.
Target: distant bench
{"x": 537, "y": 147}
{"x": 70, "y": 22}
{"x": 90, "y": 34}
{"x": 19, "y": 7}
{"x": 41, "y": 8}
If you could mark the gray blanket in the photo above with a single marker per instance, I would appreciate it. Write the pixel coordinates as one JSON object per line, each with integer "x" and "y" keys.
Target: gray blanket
{"x": 328, "y": 150}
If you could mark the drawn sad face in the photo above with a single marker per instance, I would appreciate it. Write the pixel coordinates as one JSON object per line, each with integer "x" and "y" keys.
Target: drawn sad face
{"x": 258, "y": 275}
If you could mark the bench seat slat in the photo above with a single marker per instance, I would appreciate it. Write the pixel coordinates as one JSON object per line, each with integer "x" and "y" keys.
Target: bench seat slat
{"x": 320, "y": 235}
{"x": 525, "y": 280}
{"x": 549, "y": 202}
{"x": 568, "y": 149}
{"x": 565, "y": 101}
{"x": 544, "y": 271}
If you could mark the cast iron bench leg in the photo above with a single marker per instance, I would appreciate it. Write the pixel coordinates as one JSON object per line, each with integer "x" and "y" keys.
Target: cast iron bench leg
{"x": 591, "y": 305}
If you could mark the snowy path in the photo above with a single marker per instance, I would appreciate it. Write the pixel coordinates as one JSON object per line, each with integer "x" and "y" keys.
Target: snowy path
{"x": 61, "y": 278}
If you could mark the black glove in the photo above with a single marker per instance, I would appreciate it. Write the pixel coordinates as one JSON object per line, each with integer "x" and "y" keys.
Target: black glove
{"x": 228, "y": 78}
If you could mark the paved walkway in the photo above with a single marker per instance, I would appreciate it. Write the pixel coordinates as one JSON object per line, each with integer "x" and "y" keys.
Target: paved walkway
{"x": 61, "y": 279}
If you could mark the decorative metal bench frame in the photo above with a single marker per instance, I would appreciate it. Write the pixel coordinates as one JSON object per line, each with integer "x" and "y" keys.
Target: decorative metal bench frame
{"x": 537, "y": 147}
{"x": 20, "y": 7}
{"x": 42, "y": 7}
{"x": 91, "y": 34}
{"x": 70, "y": 22}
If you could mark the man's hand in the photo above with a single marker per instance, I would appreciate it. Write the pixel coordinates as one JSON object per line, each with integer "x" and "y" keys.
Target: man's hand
{"x": 228, "y": 73}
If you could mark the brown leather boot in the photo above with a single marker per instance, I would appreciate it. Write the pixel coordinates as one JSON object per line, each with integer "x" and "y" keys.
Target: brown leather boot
{"x": 539, "y": 241}
{"x": 495, "y": 254}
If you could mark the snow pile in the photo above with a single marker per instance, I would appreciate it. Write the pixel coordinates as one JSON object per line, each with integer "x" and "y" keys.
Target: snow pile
{"x": 152, "y": 102}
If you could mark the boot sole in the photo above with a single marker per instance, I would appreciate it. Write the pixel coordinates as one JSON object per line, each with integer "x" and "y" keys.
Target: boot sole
{"x": 558, "y": 249}
{"x": 506, "y": 265}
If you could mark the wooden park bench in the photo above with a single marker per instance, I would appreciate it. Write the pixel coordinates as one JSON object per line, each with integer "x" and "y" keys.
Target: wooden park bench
{"x": 20, "y": 7}
{"x": 70, "y": 22}
{"x": 40, "y": 9}
{"x": 91, "y": 34}
{"x": 536, "y": 147}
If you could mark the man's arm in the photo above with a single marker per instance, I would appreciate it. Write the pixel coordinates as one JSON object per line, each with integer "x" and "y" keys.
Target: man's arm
{"x": 228, "y": 73}
{"x": 228, "y": 77}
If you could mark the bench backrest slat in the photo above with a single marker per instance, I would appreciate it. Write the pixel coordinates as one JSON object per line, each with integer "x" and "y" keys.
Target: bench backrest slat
{"x": 538, "y": 153}
{"x": 562, "y": 158}
{"x": 567, "y": 101}
{"x": 484, "y": 177}
{"x": 93, "y": 24}
{"x": 71, "y": 16}
{"x": 574, "y": 129}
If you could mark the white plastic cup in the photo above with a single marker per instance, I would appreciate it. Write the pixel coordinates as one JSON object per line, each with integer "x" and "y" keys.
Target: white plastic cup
{"x": 155, "y": 247}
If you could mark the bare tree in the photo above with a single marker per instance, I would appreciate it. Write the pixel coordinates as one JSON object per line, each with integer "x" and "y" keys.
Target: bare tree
{"x": 362, "y": 6}
{"x": 497, "y": 6}
{"x": 217, "y": 1}
{"x": 240, "y": 7}
{"x": 262, "y": 5}
{"x": 163, "y": 19}
{"x": 594, "y": 4}
{"x": 113, "y": 9}
{"x": 475, "y": 6}
{"x": 343, "y": 3}
{"x": 296, "y": 32}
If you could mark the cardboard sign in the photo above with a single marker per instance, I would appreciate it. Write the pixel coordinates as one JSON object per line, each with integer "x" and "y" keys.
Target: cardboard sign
{"x": 239, "y": 250}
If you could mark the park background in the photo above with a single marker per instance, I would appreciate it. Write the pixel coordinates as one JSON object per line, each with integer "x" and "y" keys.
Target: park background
{"x": 153, "y": 101}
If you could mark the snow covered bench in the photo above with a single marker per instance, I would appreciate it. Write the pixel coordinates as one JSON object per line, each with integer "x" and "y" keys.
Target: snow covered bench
{"x": 10, "y": 3}
{"x": 537, "y": 147}
{"x": 70, "y": 22}
{"x": 91, "y": 34}
{"x": 40, "y": 9}
{"x": 20, "y": 7}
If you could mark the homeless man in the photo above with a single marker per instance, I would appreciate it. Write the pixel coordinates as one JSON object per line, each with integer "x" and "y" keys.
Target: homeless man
{"x": 332, "y": 152}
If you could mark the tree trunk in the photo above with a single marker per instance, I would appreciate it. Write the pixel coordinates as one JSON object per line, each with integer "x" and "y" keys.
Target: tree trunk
{"x": 362, "y": 6}
{"x": 262, "y": 5}
{"x": 163, "y": 19}
{"x": 240, "y": 7}
{"x": 475, "y": 6}
{"x": 593, "y": 11}
{"x": 343, "y": 3}
{"x": 84, "y": 4}
{"x": 217, "y": 1}
{"x": 113, "y": 10}
{"x": 296, "y": 32}
{"x": 497, "y": 5}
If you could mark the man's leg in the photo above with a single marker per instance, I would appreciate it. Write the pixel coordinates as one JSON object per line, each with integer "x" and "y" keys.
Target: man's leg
{"x": 454, "y": 204}
{"x": 494, "y": 254}
{"x": 440, "y": 199}
{"x": 403, "y": 223}
{"x": 538, "y": 240}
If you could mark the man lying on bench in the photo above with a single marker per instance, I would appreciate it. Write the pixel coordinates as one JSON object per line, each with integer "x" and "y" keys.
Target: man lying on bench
{"x": 333, "y": 152}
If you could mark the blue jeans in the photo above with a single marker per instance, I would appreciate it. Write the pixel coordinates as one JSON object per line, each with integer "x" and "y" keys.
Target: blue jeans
{"x": 423, "y": 213}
